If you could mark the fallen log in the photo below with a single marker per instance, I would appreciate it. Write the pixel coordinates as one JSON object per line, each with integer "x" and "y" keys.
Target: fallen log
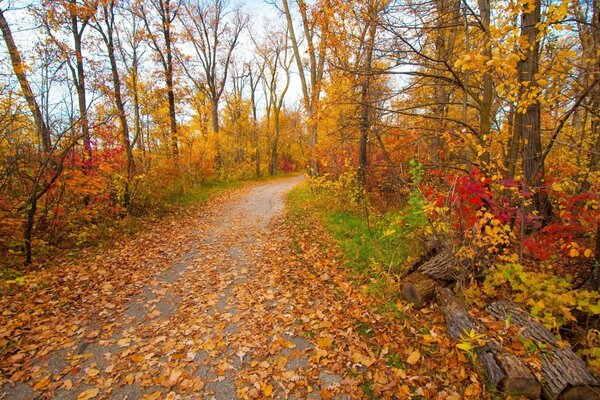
{"x": 432, "y": 249}
{"x": 565, "y": 375}
{"x": 436, "y": 269}
{"x": 441, "y": 266}
{"x": 418, "y": 288}
{"x": 503, "y": 371}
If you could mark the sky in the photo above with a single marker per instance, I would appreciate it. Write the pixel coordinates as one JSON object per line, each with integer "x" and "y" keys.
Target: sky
{"x": 262, "y": 16}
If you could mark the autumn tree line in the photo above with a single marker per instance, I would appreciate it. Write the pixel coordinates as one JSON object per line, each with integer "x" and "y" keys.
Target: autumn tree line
{"x": 481, "y": 116}
{"x": 110, "y": 107}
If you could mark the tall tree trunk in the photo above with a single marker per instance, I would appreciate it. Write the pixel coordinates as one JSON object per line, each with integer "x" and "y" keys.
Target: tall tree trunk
{"x": 275, "y": 144}
{"x": 310, "y": 90}
{"x": 137, "y": 121}
{"x": 19, "y": 70}
{"x": 80, "y": 81}
{"x": 448, "y": 14}
{"x": 116, "y": 80}
{"x": 365, "y": 97}
{"x": 485, "y": 106}
{"x": 529, "y": 126}
{"x": 215, "y": 115}
{"x": 172, "y": 112}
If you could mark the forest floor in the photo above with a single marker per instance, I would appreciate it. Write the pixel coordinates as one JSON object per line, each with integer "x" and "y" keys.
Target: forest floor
{"x": 234, "y": 299}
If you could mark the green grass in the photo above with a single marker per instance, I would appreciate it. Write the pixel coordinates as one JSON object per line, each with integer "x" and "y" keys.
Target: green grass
{"x": 200, "y": 194}
{"x": 365, "y": 250}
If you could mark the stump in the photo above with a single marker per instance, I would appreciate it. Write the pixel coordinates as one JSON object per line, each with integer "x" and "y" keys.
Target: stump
{"x": 565, "y": 375}
{"x": 502, "y": 370}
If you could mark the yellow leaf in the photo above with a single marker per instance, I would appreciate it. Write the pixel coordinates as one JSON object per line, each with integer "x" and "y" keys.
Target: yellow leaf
{"x": 138, "y": 358}
{"x": 321, "y": 353}
{"x": 129, "y": 379}
{"x": 152, "y": 396}
{"x": 414, "y": 357}
{"x": 362, "y": 359}
{"x": 88, "y": 394}
{"x": 267, "y": 389}
{"x": 91, "y": 372}
{"x": 399, "y": 372}
{"x": 587, "y": 253}
{"x": 573, "y": 253}
{"x": 42, "y": 384}
{"x": 68, "y": 384}
{"x": 324, "y": 342}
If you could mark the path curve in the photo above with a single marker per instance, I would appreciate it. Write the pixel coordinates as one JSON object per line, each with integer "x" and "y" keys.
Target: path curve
{"x": 202, "y": 285}
{"x": 229, "y": 301}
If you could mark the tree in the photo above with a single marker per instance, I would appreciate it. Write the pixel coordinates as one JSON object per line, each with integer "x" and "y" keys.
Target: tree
{"x": 275, "y": 54}
{"x": 315, "y": 31}
{"x": 105, "y": 25}
{"x": 50, "y": 162}
{"x": 255, "y": 71}
{"x": 19, "y": 69}
{"x": 529, "y": 123}
{"x": 162, "y": 41}
{"x": 213, "y": 29}
{"x": 73, "y": 17}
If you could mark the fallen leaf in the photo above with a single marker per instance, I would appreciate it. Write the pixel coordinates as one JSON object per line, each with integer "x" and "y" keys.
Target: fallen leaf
{"x": 414, "y": 357}
{"x": 324, "y": 342}
{"x": 88, "y": 394}
{"x": 42, "y": 384}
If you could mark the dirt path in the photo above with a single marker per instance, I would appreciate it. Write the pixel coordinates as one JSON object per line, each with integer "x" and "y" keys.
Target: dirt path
{"x": 187, "y": 316}
{"x": 236, "y": 313}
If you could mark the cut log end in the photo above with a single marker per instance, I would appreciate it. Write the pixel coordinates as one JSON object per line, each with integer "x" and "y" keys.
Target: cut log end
{"x": 517, "y": 378}
{"x": 565, "y": 375}
{"x": 525, "y": 387}
{"x": 418, "y": 288}
{"x": 580, "y": 392}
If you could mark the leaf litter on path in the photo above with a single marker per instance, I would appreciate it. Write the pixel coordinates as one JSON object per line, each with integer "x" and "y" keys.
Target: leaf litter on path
{"x": 214, "y": 303}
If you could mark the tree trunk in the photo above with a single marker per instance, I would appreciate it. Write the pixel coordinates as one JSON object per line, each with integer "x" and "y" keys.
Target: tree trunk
{"x": 529, "y": 126}
{"x": 137, "y": 120}
{"x": 442, "y": 266}
{"x": 172, "y": 114}
{"x": 116, "y": 80}
{"x": 168, "y": 61}
{"x": 273, "y": 169}
{"x": 28, "y": 231}
{"x": 19, "y": 70}
{"x": 80, "y": 83}
{"x": 365, "y": 97}
{"x": 485, "y": 105}
{"x": 565, "y": 375}
{"x": 215, "y": 115}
